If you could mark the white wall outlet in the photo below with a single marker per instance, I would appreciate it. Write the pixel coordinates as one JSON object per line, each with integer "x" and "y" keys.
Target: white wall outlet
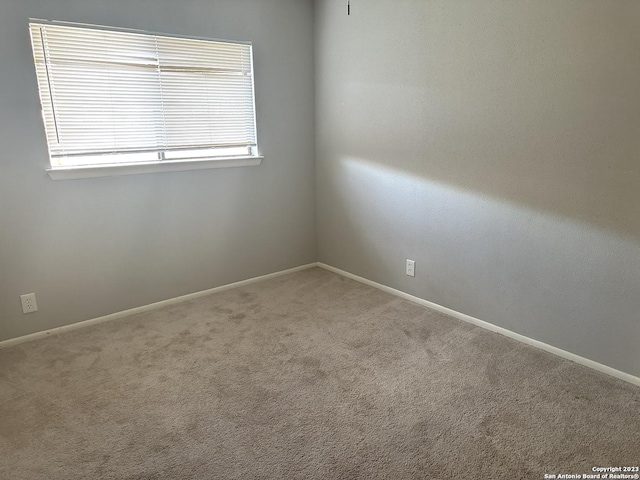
{"x": 29, "y": 303}
{"x": 411, "y": 268}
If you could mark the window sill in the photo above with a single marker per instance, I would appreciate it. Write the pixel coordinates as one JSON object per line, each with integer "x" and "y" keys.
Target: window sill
{"x": 107, "y": 170}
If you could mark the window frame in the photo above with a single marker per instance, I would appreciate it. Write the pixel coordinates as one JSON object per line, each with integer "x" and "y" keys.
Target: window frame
{"x": 182, "y": 160}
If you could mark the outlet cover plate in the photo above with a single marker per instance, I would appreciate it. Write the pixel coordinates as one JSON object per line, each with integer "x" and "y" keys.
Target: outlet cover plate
{"x": 29, "y": 304}
{"x": 411, "y": 268}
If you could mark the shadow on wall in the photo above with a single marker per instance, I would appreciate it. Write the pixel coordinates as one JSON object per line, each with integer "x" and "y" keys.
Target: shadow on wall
{"x": 535, "y": 103}
{"x": 572, "y": 156}
{"x": 521, "y": 268}
{"x": 495, "y": 143}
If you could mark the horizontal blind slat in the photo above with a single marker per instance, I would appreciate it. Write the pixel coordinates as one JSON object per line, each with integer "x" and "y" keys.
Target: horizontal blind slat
{"x": 112, "y": 91}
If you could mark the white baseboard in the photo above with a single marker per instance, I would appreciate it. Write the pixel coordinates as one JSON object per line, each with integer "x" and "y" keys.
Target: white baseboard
{"x": 153, "y": 306}
{"x": 461, "y": 316}
{"x": 481, "y": 323}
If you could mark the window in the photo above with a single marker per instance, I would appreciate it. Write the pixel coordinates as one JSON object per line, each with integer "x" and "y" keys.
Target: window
{"x": 120, "y": 98}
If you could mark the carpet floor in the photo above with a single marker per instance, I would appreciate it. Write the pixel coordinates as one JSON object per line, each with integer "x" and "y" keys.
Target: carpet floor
{"x": 308, "y": 376}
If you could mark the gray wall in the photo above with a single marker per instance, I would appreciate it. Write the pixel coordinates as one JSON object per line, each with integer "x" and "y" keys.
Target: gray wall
{"x": 93, "y": 247}
{"x": 496, "y": 143}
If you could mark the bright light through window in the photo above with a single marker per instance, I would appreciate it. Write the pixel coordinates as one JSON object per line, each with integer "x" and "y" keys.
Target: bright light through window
{"x": 112, "y": 96}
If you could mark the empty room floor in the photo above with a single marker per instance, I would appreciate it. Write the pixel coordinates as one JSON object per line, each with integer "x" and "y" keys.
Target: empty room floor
{"x": 307, "y": 375}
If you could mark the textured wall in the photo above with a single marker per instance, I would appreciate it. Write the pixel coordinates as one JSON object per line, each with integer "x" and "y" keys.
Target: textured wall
{"x": 497, "y": 144}
{"x": 93, "y": 247}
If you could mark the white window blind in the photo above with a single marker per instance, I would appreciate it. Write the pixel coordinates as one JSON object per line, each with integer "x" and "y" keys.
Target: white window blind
{"x": 111, "y": 96}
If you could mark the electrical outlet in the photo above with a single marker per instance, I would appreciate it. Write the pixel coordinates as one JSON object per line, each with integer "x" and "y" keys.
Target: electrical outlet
{"x": 29, "y": 303}
{"x": 411, "y": 268}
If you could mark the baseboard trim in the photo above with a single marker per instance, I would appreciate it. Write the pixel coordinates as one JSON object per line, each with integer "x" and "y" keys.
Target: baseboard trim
{"x": 453, "y": 313}
{"x": 489, "y": 326}
{"x": 146, "y": 308}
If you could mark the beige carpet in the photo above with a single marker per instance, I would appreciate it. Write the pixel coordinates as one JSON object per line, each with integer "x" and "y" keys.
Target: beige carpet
{"x": 309, "y": 376}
